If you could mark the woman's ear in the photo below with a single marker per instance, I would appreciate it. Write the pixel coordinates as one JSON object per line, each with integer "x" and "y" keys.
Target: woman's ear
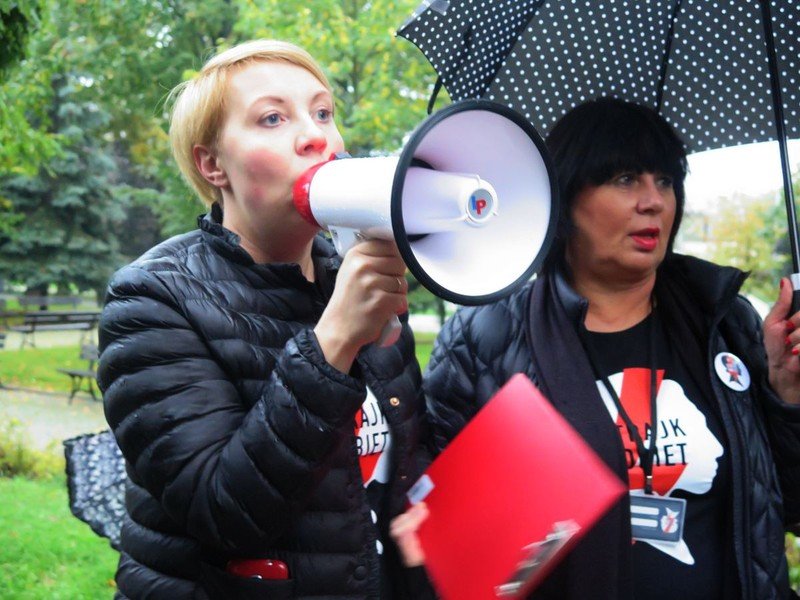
{"x": 209, "y": 167}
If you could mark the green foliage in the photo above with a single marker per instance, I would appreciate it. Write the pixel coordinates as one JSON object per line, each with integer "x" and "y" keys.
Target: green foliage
{"x": 24, "y": 96}
{"x": 793, "y": 556}
{"x": 136, "y": 52}
{"x": 17, "y": 19}
{"x": 746, "y": 233}
{"x": 47, "y": 554}
{"x": 66, "y": 236}
{"x": 18, "y": 458}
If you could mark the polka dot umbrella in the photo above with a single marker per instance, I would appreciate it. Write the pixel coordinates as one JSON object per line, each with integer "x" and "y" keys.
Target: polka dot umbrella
{"x": 722, "y": 72}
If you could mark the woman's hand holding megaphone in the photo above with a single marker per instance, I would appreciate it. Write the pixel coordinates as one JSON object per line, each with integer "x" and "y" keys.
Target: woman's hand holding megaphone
{"x": 370, "y": 289}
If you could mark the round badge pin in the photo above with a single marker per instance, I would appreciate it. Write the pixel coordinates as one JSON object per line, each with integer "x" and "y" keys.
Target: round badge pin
{"x": 732, "y": 372}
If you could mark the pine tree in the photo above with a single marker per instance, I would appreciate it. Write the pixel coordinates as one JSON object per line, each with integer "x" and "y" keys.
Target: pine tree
{"x": 67, "y": 213}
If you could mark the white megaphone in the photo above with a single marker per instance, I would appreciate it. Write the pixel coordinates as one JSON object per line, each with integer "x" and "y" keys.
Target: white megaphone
{"x": 471, "y": 202}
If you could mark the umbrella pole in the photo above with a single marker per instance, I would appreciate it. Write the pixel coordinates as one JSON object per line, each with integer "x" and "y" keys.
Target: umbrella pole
{"x": 788, "y": 192}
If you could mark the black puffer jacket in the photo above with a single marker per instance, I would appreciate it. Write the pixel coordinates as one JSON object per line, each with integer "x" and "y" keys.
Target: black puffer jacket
{"x": 238, "y": 435}
{"x": 535, "y": 332}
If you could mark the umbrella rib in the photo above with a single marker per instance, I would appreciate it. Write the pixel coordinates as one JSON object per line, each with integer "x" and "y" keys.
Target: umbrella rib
{"x": 662, "y": 77}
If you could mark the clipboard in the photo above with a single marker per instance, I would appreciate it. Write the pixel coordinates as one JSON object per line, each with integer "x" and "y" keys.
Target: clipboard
{"x": 509, "y": 497}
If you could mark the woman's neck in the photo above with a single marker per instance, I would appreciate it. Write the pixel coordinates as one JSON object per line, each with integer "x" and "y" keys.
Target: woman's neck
{"x": 286, "y": 246}
{"x": 616, "y": 308}
{"x": 300, "y": 257}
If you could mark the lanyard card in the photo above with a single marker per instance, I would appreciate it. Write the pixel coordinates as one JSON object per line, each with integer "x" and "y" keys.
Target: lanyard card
{"x": 657, "y": 518}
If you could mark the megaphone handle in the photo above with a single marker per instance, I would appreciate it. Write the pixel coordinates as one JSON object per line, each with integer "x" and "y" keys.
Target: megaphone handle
{"x": 390, "y": 333}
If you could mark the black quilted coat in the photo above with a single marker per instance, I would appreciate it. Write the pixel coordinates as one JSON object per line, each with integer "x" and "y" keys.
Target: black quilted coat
{"x": 238, "y": 436}
{"x": 535, "y": 332}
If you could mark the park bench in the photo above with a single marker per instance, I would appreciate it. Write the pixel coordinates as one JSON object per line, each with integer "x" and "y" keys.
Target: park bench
{"x": 88, "y": 375}
{"x": 47, "y": 320}
{"x": 7, "y": 318}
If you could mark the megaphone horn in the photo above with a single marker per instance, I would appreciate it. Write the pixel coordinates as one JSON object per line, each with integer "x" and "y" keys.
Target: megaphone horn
{"x": 471, "y": 201}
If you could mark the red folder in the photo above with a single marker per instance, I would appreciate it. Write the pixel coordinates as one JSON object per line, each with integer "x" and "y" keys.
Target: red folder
{"x": 509, "y": 497}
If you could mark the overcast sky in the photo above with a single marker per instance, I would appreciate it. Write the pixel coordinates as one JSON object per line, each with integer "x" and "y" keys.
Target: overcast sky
{"x": 751, "y": 169}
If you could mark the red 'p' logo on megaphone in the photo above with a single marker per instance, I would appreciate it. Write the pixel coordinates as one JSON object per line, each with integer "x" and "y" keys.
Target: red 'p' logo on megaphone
{"x": 481, "y": 205}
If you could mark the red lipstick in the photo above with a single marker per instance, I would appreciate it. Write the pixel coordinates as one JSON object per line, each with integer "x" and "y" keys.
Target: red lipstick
{"x": 646, "y": 239}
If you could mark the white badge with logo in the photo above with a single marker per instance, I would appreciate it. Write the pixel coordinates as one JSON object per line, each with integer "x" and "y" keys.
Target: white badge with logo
{"x": 731, "y": 371}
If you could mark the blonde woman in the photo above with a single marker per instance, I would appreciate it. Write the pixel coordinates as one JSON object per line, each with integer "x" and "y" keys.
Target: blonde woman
{"x": 268, "y": 443}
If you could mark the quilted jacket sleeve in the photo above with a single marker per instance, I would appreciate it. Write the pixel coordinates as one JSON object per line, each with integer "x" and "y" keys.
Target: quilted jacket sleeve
{"x": 449, "y": 381}
{"x": 784, "y": 426}
{"x": 476, "y": 352}
{"x": 782, "y": 420}
{"x": 231, "y": 476}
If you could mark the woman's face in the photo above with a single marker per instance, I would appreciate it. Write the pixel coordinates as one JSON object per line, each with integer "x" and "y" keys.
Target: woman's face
{"x": 279, "y": 123}
{"x": 622, "y": 227}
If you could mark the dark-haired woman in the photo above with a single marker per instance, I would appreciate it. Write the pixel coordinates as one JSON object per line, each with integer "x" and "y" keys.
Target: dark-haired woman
{"x": 614, "y": 307}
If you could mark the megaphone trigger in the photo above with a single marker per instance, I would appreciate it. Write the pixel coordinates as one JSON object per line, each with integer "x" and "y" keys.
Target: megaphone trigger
{"x": 344, "y": 238}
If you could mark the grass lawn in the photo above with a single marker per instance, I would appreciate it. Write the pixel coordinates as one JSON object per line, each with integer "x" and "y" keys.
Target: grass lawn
{"x": 424, "y": 347}
{"x": 36, "y": 367}
{"x": 47, "y": 553}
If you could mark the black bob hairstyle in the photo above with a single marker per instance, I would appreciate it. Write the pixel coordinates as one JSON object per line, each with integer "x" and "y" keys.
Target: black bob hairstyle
{"x": 602, "y": 138}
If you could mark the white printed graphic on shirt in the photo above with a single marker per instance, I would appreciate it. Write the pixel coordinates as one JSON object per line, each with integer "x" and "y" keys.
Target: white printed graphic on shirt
{"x": 373, "y": 441}
{"x": 687, "y": 451}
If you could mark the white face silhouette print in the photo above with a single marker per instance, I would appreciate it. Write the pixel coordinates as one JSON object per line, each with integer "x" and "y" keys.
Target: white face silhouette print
{"x": 687, "y": 451}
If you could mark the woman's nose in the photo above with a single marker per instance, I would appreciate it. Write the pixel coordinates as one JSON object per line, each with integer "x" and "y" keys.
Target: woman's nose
{"x": 651, "y": 198}
{"x": 311, "y": 140}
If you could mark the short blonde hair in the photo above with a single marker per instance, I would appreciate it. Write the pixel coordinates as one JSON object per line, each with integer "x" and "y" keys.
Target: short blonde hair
{"x": 198, "y": 112}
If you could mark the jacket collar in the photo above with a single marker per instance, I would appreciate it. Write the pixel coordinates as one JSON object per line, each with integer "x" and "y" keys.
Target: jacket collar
{"x": 711, "y": 286}
{"x": 227, "y": 244}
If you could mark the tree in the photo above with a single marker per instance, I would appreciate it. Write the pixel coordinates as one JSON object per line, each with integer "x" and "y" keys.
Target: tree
{"x": 24, "y": 139}
{"x": 16, "y": 22}
{"x": 133, "y": 52}
{"x": 746, "y": 233}
{"x": 66, "y": 234}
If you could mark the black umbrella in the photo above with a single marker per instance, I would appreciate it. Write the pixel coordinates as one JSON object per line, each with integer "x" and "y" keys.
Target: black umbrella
{"x": 96, "y": 482}
{"x": 721, "y": 72}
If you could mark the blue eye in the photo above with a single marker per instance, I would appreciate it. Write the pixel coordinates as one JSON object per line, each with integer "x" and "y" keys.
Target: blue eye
{"x": 270, "y": 120}
{"x": 324, "y": 114}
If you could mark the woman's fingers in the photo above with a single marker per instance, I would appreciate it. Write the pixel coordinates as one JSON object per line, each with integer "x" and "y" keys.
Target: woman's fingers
{"x": 403, "y": 530}
{"x": 370, "y": 290}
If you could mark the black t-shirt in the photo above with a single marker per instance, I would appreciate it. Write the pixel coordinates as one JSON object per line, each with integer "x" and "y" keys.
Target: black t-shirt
{"x": 692, "y": 461}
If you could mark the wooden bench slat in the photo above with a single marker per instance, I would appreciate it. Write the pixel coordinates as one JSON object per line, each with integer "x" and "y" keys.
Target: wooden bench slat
{"x": 54, "y": 321}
